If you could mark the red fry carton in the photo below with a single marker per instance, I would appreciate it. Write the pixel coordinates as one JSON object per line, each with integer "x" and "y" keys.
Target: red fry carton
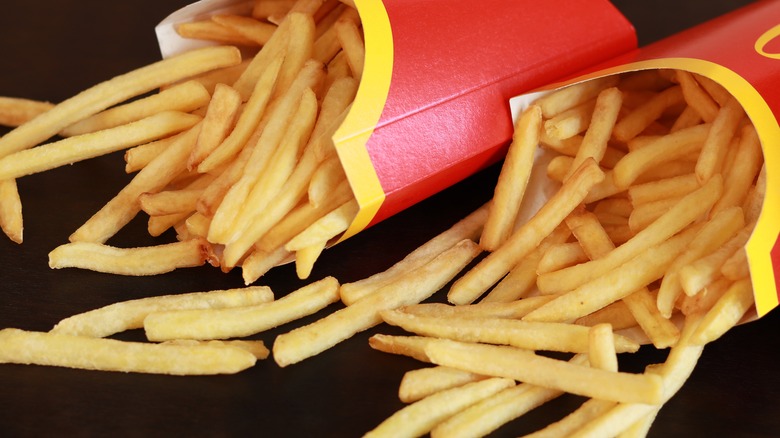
{"x": 431, "y": 106}
{"x": 741, "y": 51}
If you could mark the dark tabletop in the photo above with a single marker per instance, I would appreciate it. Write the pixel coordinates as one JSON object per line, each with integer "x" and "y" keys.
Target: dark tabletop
{"x": 50, "y": 50}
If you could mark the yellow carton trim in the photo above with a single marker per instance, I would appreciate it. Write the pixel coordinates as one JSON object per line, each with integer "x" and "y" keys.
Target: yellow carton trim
{"x": 759, "y": 246}
{"x": 351, "y": 138}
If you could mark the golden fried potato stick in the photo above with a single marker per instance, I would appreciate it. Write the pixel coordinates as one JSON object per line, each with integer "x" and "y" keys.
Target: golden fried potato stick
{"x": 665, "y": 149}
{"x": 420, "y": 417}
{"x": 688, "y": 210}
{"x": 527, "y": 237}
{"x": 572, "y": 422}
{"x": 15, "y": 111}
{"x": 117, "y": 90}
{"x": 420, "y": 383}
{"x": 488, "y": 415}
{"x": 414, "y": 287}
{"x": 570, "y": 122}
{"x": 520, "y": 281}
{"x": 601, "y": 347}
{"x": 599, "y": 131}
{"x": 150, "y": 260}
{"x": 82, "y": 147}
{"x": 467, "y": 228}
{"x": 696, "y": 275}
{"x": 713, "y": 152}
{"x": 675, "y": 371}
{"x": 248, "y": 120}
{"x": 568, "y": 97}
{"x": 11, "y": 211}
{"x": 126, "y": 315}
{"x": 153, "y": 177}
{"x": 256, "y": 348}
{"x": 512, "y": 309}
{"x": 513, "y": 179}
{"x": 616, "y": 283}
{"x": 241, "y": 321}
{"x": 325, "y": 228}
{"x": 696, "y": 97}
{"x": 569, "y": 338}
{"x": 525, "y": 366}
{"x": 636, "y": 121}
{"x": 221, "y": 113}
{"x": 185, "y": 97}
{"x": 254, "y": 30}
{"x": 139, "y": 156}
{"x": 103, "y": 354}
{"x": 662, "y": 189}
{"x": 411, "y": 346}
{"x": 715, "y": 232}
{"x": 233, "y": 214}
{"x": 745, "y": 167}
{"x": 727, "y": 312}
{"x": 262, "y": 185}
{"x": 212, "y": 31}
{"x": 351, "y": 40}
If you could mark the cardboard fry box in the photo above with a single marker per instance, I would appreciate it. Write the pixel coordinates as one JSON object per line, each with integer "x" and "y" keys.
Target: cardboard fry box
{"x": 741, "y": 51}
{"x": 431, "y": 106}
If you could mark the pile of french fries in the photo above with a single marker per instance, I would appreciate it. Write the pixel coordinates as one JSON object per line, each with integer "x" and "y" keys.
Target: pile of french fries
{"x": 661, "y": 182}
{"x": 233, "y": 154}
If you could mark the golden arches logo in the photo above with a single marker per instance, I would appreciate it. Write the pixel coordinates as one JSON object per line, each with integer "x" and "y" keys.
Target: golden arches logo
{"x": 765, "y": 39}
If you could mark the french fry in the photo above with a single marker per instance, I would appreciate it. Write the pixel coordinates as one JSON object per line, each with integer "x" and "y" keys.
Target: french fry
{"x": 616, "y": 284}
{"x": 744, "y": 170}
{"x": 713, "y": 234}
{"x": 54, "y": 349}
{"x": 117, "y": 90}
{"x": 420, "y": 417}
{"x": 696, "y": 275}
{"x": 512, "y": 180}
{"x": 78, "y": 148}
{"x": 213, "y": 31}
{"x": 325, "y": 228}
{"x": 256, "y": 348}
{"x": 690, "y": 208}
{"x": 488, "y": 271}
{"x": 696, "y": 97}
{"x": 124, "y": 206}
{"x": 15, "y": 111}
{"x": 570, "y": 122}
{"x": 420, "y": 383}
{"x": 126, "y": 315}
{"x": 11, "y": 211}
{"x": 467, "y": 228}
{"x": 419, "y": 284}
{"x": 520, "y": 281}
{"x": 525, "y": 366}
{"x": 511, "y": 309}
{"x": 571, "y": 423}
{"x": 351, "y": 40}
{"x": 184, "y": 97}
{"x": 248, "y": 27}
{"x": 411, "y": 346}
{"x": 665, "y": 149}
{"x": 149, "y": 260}
{"x": 240, "y": 321}
{"x": 568, "y": 338}
{"x": 568, "y": 97}
{"x": 247, "y": 121}
{"x": 633, "y": 123}
{"x": 488, "y": 415}
{"x": 713, "y": 151}
{"x": 601, "y": 347}
{"x": 220, "y": 115}
{"x": 594, "y": 142}
{"x": 726, "y": 313}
